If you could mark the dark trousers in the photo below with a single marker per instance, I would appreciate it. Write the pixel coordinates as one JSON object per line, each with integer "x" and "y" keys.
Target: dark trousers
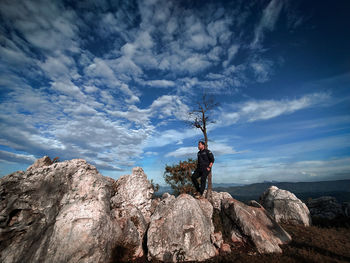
{"x": 203, "y": 174}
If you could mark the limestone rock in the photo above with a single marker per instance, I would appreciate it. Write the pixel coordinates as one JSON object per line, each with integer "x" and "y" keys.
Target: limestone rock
{"x": 285, "y": 207}
{"x": 255, "y": 223}
{"x": 225, "y": 248}
{"x": 44, "y": 161}
{"x": 57, "y": 213}
{"x": 254, "y": 204}
{"x": 325, "y": 207}
{"x": 133, "y": 226}
{"x": 217, "y": 198}
{"x": 134, "y": 190}
{"x": 181, "y": 227}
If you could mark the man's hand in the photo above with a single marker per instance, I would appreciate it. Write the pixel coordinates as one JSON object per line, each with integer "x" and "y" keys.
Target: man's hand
{"x": 208, "y": 168}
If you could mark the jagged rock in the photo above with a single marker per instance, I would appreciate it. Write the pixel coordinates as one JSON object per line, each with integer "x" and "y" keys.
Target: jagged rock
{"x": 134, "y": 190}
{"x": 285, "y": 207}
{"x": 217, "y": 239}
{"x": 134, "y": 227}
{"x": 225, "y": 248}
{"x": 181, "y": 227}
{"x": 57, "y": 213}
{"x": 254, "y": 204}
{"x": 255, "y": 223}
{"x": 44, "y": 161}
{"x": 325, "y": 207}
{"x": 217, "y": 198}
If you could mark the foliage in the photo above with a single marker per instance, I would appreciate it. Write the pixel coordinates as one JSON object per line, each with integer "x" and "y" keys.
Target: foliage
{"x": 178, "y": 176}
{"x": 154, "y": 186}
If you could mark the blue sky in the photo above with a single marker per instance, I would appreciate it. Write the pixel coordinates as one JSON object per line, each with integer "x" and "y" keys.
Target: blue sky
{"x": 112, "y": 82}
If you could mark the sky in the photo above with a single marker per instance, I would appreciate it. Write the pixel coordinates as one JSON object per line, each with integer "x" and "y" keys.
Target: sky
{"x": 112, "y": 82}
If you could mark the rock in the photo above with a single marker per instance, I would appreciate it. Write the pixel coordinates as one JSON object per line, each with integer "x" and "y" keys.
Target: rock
{"x": 254, "y": 203}
{"x": 217, "y": 239}
{"x": 285, "y": 207}
{"x": 181, "y": 228}
{"x": 256, "y": 224}
{"x": 217, "y": 198}
{"x": 134, "y": 227}
{"x": 325, "y": 207}
{"x": 44, "y": 161}
{"x": 134, "y": 190}
{"x": 225, "y": 248}
{"x": 57, "y": 213}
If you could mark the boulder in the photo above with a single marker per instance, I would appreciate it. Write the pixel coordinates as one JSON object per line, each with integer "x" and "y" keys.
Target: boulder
{"x": 133, "y": 226}
{"x": 326, "y": 207}
{"x": 181, "y": 229}
{"x": 134, "y": 190}
{"x": 57, "y": 213}
{"x": 285, "y": 207}
{"x": 44, "y": 161}
{"x": 255, "y": 224}
{"x": 217, "y": 198}
{"x": 254, "y": 204}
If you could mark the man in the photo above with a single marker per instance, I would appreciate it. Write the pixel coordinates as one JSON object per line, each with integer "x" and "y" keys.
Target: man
{"x": 205, "y": 161}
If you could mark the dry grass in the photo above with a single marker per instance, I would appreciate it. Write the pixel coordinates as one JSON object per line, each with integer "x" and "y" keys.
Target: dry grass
{"x": 310, "y": 244}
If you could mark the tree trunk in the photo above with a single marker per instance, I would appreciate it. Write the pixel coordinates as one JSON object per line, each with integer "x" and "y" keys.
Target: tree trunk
{"x": 209, "y": 190}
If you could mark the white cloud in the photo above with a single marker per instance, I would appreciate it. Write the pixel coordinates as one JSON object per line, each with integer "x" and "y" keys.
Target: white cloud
{"x": 218, "y": 148}
{"x": 268, "y": 20}
{"x": 254, "y": 110}
{"x": 160, "y": 83}
{"x": 256, "y": 170}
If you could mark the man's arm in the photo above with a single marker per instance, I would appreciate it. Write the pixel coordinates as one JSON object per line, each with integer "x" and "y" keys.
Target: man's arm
{"x": 211, "y": 159}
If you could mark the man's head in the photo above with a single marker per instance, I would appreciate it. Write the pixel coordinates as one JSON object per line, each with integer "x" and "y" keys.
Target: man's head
{"x": 201, "y": 145}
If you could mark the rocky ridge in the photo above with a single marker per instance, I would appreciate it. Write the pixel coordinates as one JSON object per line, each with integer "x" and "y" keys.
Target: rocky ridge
{"x": 69, "y": 212}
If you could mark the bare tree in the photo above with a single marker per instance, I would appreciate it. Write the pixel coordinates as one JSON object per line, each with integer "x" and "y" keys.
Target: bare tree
{"x": 200, "y": 118}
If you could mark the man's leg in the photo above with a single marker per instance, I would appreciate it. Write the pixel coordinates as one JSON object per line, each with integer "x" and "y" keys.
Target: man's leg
{"x": 204, "y": 176}
{"x": 194, "y": 178}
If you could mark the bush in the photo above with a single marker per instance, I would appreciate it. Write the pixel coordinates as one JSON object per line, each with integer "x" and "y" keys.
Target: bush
{"x": 179, "y": 176}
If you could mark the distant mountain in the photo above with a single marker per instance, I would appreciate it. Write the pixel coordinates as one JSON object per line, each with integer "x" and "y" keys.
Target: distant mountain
{"x": 340, "y": 189}
{"x": 167, "y": 189}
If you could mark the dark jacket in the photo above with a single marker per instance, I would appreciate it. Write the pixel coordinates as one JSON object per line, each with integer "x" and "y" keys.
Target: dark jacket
{"x": 204, "y": 157}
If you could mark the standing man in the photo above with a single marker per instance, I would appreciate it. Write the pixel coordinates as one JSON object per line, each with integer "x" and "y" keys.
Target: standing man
{"x": 205, "y": 160}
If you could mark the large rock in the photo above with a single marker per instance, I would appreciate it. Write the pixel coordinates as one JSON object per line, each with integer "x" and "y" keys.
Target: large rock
{"x": 326, "y": 207}
{"x": 285, "y": 207}
{"x": 44, "y": 161}
{"x": 181, "y": 229}
{"x": 217, "y": 198}
{"x": 134, "y": 190}
{"x": 57, "y": 213}
{"x": 256, "y": 225}
{"x": 134, "y": 227}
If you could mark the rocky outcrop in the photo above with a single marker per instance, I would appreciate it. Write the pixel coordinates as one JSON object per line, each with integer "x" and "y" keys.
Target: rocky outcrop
{"x": 57, "y": 213}
{"x": 285, "y": 207}
{"x": 256, "y": 225}
{"x": 134, "y": 190}
{"x": 181, "y": 228}
{"x": 326, "y": 207}
{"x": 217, "y": 198}
{"x": 69, "y": 212}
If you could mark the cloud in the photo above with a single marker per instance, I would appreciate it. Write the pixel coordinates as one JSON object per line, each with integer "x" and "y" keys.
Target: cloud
{"x": 160, "y": 83}
{"x": 256, "y": 170}
{"x": 16, "y": 157}
{"x": 254, "y": 110}
{"x": 267, "y": 22}
{"x": 216, "y": 147}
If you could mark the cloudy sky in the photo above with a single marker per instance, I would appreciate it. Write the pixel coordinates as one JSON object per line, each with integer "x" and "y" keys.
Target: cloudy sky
{"x": 113, "y": 81}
